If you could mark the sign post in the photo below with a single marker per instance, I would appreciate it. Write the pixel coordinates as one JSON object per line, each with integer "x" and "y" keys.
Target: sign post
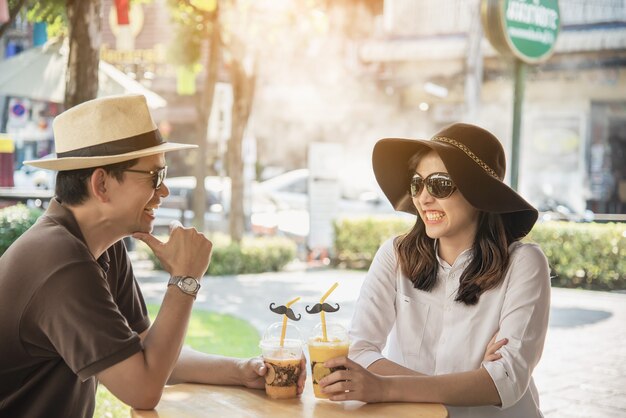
{"x": 324, "y": 160}
{"x": 525, "y": 30}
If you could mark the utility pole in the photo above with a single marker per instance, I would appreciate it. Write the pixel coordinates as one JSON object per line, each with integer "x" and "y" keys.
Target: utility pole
{"x": 473, "y": 64}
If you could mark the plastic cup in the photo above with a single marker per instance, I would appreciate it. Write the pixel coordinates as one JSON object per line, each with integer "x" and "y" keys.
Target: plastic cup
{"x": 283, "y": 363}
{"x": 338, "y": 345}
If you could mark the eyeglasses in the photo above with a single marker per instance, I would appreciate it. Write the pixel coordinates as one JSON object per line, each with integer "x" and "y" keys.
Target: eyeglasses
{"x": 438, "y": 185}
{"x": 157, "y": 175}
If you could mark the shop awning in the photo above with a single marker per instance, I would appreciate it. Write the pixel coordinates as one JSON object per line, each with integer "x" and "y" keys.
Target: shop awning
{"x": 39, "y": 74}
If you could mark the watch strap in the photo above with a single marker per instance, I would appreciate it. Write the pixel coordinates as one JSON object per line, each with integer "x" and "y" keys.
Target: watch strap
{"x": 178, "y": 282}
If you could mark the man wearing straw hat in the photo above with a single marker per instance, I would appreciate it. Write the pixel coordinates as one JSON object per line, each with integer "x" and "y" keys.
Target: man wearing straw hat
{"x": 71, "y": 312}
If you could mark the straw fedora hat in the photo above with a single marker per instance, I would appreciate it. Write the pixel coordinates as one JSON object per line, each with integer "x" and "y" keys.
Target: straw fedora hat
{"x": 105, "y": 131}
{"x": 475, "y": 160}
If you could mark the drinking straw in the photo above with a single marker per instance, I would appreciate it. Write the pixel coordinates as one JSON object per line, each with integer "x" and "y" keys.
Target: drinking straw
{"x": 284, "y": 330}
{"x": 323, "y": 314}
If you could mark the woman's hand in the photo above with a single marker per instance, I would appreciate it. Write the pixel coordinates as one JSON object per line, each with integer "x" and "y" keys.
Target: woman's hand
{"x": 354, "y": 383}
{"x": 492, "y": 348}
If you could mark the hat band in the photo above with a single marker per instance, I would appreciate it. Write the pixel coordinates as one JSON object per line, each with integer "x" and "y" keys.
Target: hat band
{"x": 469, "y": 153}
{"x": 117, "y": 147}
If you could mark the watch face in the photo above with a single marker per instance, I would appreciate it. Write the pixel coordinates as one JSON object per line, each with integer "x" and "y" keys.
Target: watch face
{"x": 188, "y": 284}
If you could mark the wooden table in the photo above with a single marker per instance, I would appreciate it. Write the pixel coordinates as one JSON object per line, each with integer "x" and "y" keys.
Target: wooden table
{"x": 190, "y": 401}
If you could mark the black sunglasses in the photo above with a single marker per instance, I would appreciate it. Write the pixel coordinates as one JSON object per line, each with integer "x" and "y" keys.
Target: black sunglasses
{"x": 157, "y": 175}
{"x": 438, "y": 185}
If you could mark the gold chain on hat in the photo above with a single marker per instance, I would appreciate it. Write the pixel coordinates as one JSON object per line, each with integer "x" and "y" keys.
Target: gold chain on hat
{"x": 468, "y": 152}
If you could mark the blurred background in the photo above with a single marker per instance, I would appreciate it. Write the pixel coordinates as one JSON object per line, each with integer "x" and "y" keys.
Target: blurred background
{"x": 288, "y": 98}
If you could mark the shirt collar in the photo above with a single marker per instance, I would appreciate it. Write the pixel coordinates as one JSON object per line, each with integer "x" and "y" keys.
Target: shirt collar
{"x": 64, "y": 217}
{"x": 464, "y": 257}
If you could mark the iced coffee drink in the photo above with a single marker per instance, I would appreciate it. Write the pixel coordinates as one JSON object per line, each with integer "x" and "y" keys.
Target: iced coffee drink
{"x": 282, "y": 362}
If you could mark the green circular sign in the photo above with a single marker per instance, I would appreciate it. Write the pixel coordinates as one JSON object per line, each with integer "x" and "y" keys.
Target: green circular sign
{"x": 526, "y": 29}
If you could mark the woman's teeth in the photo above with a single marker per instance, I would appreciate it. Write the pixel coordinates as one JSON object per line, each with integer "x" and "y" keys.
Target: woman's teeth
{"x": 435, "y": 216}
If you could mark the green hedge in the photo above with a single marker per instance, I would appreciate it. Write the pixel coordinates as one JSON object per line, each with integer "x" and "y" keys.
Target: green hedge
{"x": 253, "y": 255}
{"x": 583, "y": 255}
{"x": 357, "y": 240}
{"x": 14, "y": 221}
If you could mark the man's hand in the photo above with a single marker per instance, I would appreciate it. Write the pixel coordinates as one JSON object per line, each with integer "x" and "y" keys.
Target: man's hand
{"x": 492, "y": 347}
{"x": 354, "y": 383}
{"x": 252, "y": 373}
{"x": 186, "y": 253}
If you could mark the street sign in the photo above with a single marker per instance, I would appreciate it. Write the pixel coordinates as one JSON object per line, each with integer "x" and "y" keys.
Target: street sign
{"x": 18, "y": 111}
{"x": 525, "y": 29}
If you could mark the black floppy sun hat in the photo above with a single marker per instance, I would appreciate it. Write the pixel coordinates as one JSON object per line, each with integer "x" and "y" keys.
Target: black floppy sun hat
{"x": 475, "y": 160}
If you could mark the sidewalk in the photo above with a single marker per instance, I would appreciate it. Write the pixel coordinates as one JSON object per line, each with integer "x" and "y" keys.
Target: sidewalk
{"x": 582, "y": 372}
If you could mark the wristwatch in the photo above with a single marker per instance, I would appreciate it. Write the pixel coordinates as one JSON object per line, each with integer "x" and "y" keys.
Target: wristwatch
{"x": 187, "y": 284}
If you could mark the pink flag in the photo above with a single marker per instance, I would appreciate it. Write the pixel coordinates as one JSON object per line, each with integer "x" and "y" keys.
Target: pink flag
{"x": 4, "y": 11}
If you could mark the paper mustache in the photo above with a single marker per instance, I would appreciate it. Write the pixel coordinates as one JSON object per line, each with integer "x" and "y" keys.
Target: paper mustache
{"x": 318, "y": 307}
{"x": 283, "y": 310}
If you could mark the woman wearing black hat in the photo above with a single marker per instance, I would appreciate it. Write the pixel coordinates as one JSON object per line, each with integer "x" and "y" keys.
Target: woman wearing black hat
{"x": 435, "y": 296}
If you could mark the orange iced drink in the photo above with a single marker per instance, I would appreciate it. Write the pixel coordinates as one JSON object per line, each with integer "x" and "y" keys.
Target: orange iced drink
{"x": 337, "y": 344}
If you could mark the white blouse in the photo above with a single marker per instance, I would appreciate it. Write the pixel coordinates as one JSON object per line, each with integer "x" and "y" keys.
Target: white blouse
{"x": 431, "y": 333}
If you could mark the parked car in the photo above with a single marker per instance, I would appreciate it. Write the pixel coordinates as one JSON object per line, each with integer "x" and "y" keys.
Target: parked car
{"x": 279, "y": 204}
{"x": 290, "y": 190}
{"x": 217, "y": 191}
{"x": 553, "y": 210}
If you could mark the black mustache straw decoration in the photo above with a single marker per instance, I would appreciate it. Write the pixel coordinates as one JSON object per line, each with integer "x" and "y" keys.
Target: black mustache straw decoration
{"x": 322, "y": 308}
{"x": 284, "y": 310}
{"x": 319, "y": 307}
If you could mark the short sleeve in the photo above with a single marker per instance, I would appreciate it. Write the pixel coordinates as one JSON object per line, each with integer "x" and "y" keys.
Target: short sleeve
{"x": 125, "y": 289}
{"x": 524, "y": 321}
{"x": 75, "y": 315}
{"x": 374, "y": 314}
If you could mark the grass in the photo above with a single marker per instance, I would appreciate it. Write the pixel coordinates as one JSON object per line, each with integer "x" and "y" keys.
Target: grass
{"x": 208, "y": 332}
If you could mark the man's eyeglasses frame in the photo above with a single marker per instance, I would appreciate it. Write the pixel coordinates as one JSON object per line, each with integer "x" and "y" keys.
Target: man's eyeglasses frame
{"x": 158, "y": 176}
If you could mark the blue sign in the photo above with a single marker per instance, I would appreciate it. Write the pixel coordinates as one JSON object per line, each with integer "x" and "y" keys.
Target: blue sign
{"x": 18, "y": 109}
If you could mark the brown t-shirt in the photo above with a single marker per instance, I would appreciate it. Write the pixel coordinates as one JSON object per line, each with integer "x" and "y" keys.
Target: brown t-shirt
{"x": 64, "y": 317}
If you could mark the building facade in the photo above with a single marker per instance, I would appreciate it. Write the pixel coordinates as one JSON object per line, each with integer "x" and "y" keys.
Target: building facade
{"x": 434, "y": 56}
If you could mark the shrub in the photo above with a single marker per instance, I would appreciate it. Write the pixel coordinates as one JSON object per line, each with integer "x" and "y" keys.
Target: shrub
{"x": 14, "y": 221}
{"x": 357, "y": 240}
{"x": 253, "y": 255}
{"x": 584, "y": 255}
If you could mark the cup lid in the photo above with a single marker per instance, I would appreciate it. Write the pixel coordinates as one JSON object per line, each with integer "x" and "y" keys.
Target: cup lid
{"x": 334, "y": 332}
{"x": 272, "y": 334}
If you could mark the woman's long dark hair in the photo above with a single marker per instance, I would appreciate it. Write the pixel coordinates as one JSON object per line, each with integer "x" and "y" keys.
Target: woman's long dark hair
{"x": 490, "y": 255}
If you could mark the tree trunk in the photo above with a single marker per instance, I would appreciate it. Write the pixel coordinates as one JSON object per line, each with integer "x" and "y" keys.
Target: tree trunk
{"x": 205, "y": 105}
{"x": 84, "y": 18}
{"x": 243, "y": 94}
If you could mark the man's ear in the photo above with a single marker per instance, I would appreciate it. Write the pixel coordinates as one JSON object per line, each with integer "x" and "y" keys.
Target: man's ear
{"x": 98, "y": 184}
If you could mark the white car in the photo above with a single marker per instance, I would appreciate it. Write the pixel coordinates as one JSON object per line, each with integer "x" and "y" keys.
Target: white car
{"x": 280, "y": 203}
{"x": 217, "y": 191}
